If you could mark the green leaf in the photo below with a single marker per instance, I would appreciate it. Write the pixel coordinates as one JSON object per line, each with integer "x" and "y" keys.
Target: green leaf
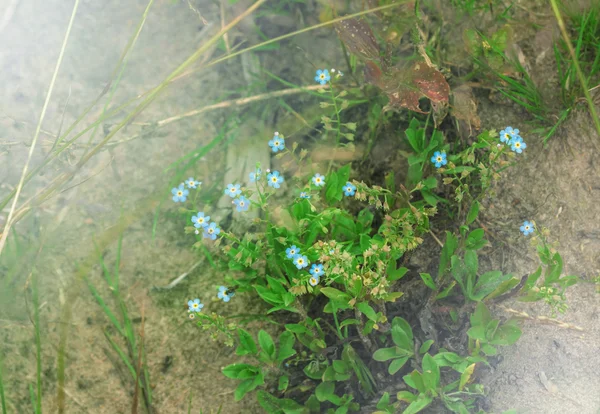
{"x": 283, "y": 383}
{"x": 430, "y": 183}
{"x": 332, "y": 187}
{"x": 324, "y": 391}
{"x": 392, "y": 296}
{"x": 473, "y": 212}
{"x": 335, "y": 294}
{"x": 273, "y": 405}
{"x": 368, "y": 311}
{"x": 481, "y": 316}
{"x": 396, "y": 365}
{"x": 466, "y": 376}
{"x": 236, "y": 370}
{"x": 393, "y": 273}
{"x": 425, "y": 347}
{"x": 415, "y": 138}
{"x": 431, "y": 373}
{"x": 503, "y": 287}
{"x": 428, "y": 280}
{"x": 247, "y": 344}
{"x": 296, "y": 328}
{"x": 554, "y": 271}
{"x": 248, "y": 385}
{"x": 447, "y": 252}
{"x": 406, "y": 396}
{"x": 422, "y": 402}
{"x": 506, "y": 334}
{"x": 267, "y": 344}
{"x": 404, "y": 340}
{"x": 417, "y": 379}
{"x": 385, "y": 354}
{"x": 349, "y": 321}
{"x": 268, "y": 295}
{"x": 446, "y": 291}
{"x": 286, "y": 346}
{"x": 384, "y": 401}
{"x": 531, "y": 280}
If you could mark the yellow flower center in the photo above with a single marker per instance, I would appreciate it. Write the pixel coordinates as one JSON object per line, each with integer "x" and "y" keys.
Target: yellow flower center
{"x": 200, "y": 220}
{"x": 274, "y": 179}
{"x": 300, "y": 261}
{"x": 322, "y": 76}
{"x": 276, "y": 143}
{"x": 211, "y": 230}
{"x": 195, "y": 305}
{"x": 439, "y": 159}
{"x": 242, "y": 204}
{"x": 518, "y": 144}
{"x": 526, "y": 227}
{"x": 179, "y": 193}
{"x": 313, "y": 281}
{"x": 507, "y": 136}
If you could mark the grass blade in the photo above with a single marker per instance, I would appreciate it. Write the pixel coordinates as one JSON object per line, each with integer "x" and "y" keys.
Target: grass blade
{"x": 2, "y": 396}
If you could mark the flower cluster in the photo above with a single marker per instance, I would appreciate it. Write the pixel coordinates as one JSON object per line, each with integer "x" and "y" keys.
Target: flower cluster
{"x": 511, "y": 137}
{"x": 180, "y": 192}
{"x": 301, "y": 262}
{"x": 201, "y": 222}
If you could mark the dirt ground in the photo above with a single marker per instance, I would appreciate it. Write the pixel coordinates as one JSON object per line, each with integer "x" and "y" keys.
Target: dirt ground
{"x": 549, "y": 370}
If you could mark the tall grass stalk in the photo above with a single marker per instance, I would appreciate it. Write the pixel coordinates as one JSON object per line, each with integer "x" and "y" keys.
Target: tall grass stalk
{"x": 38, "y": 128}
{"x": 2, "y": 396}
{"x": 38, "y": 340}
{"x": 582, "y": 78}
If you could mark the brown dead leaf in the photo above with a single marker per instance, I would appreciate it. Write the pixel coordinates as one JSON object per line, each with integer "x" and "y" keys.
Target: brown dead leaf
{"x": 405, "y": 86}
{"x": 358, "y": 38}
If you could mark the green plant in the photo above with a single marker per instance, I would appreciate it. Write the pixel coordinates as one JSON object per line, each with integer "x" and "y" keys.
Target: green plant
{"x": 134, "y": 357}
{"x": 485, "y": 332}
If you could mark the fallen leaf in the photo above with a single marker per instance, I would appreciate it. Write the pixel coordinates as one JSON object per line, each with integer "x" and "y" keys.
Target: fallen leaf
{"x": 405, "y": 86}
{"x": 358, "y": 38}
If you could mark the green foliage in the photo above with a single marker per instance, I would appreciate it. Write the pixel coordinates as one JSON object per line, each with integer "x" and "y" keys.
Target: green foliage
{"x": 485, "y": 332}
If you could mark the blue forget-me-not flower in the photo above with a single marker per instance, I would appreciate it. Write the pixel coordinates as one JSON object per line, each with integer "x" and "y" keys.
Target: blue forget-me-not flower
{"x": 527, "y": 228}
{"x": 254, "y": 176}
{"x": 322, "y": 76}
{"x": 225, "y": 294}
{"x": 517, "y": 145}
{"x": 349, "y": 189}
{"x": 508, "y": 134}
{"x": 314, "y": 280}
{"x": 242, "y": 203}
{"x": 305, "y": 195}
{"x": 195, "y": 305}
{"x": 211, "y": 231}
{"x": 200, "y": 220}
{"x": 292, "y": 251}
{"x": 277, "y": 143}
{"x": 275, "y": 179}
{"x": 318, "y": 180}
{"x": 300, "y": 261}
{"x": 439, "y": 159}
{"x": 191, "y": 183}
{"x": 317, "y": 270}
{"x": 233, "y": 190}
{"x": 180, "y": 193}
